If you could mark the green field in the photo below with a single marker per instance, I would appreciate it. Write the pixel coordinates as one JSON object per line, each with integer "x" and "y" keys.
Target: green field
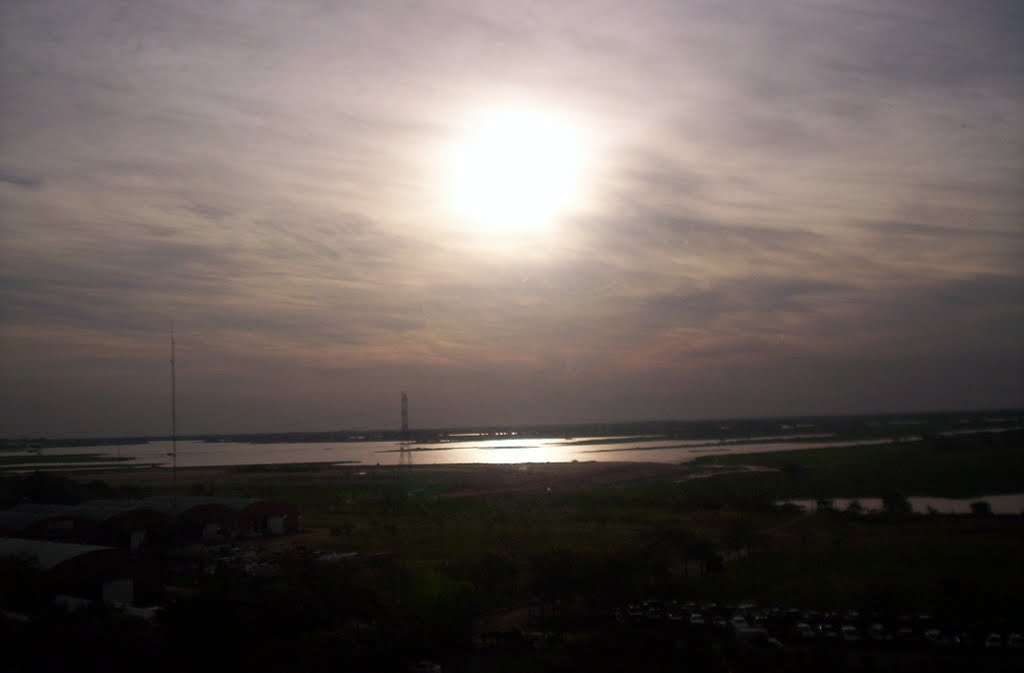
{"x": 7, "y": 462}
{"x": 445, "y": 546}
{"x": 657, "y": 535}
{"x": 917, "y": 468}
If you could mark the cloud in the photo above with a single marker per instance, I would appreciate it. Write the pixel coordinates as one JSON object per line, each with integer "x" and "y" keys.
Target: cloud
{"x": 781, "y": 188}
{"x": 21, "y": 181}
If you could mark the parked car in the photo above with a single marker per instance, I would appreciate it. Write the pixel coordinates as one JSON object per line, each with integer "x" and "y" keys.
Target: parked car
{"x": 936, "y": 638}
{"x": 425, "y": 667}
{"x": 965, "y": 641}
{"x": 878, "y": 634}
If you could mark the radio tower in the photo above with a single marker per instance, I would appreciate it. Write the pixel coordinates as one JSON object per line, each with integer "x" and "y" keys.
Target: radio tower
{"x": 404, "y": 453}
{"x": 174, "y": 421}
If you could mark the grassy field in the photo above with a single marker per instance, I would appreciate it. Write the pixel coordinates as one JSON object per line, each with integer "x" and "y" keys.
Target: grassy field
{"x": 938, "y": 564}
{"x": 917, "y": 468}
{"x": 947, "y": 566}
{"x": 612, "y": 530}
{"x": 7, "y": 462}
{"x": 445, "y": 548}
{"x": 656, "y": 529}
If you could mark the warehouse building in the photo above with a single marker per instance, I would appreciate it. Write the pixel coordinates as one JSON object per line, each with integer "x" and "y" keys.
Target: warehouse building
{"x": 88, "y": 572}
{"x": 122, "y": 524}
{"x": 214, "y": 518}
{"x": 157, "y": 521}
{"x": 43, "y": 525}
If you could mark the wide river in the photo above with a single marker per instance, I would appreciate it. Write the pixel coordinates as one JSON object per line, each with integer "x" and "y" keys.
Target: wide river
{"x": 512, "y": 450}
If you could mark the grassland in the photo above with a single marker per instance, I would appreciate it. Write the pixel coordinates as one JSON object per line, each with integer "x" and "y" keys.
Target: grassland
{"x": 960, "y": 568}
{"x": 450, "y": 544}
{"x": 55, "y": 460}
{"x": 660, "y": 529}
{"x": 640, "y": 529}
{"x": 912, "y": 468}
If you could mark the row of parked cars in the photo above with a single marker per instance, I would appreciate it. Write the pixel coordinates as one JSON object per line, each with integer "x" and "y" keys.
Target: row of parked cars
{"x": 850, "y": 628}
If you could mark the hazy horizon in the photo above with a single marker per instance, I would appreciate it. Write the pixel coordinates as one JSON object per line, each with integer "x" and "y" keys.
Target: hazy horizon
{"x": 768, "y": 209}
{"x": 556, "y": 427}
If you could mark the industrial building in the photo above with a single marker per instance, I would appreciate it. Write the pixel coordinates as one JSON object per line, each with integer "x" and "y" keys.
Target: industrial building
{"x": 212, "y": 518}
{"x": 42, "y": 525}
{"x": 122, "y": 524}
{"x": 88, "y": 572}
{"x": 132, "y": 524}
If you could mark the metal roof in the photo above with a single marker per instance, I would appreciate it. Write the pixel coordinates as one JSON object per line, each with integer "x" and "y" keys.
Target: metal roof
{"x": 176, "y": 504}
{"x": 48, "y": 555}
{"x": 96, "y": 511}
{"x": 102, "y": 510}
{"x": 20, "y": 520}
{"x": 43, "y": 510}
{"x": 40, "y": 508}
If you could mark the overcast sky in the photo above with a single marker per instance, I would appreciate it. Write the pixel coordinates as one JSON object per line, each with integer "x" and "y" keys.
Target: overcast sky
{"x": 792, "y": 207}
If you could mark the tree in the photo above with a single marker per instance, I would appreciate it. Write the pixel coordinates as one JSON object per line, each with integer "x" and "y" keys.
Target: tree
{"x": 895, "y": 503}
{"x": 742, "y": 535}
{"x": 981, "y": 508}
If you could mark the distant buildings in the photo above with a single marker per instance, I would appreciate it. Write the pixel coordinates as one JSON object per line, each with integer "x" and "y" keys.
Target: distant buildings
{"x": 116, "y": 523}
{"x": 132, "y": 524}
{"x": 88, "y": 572}
{"x": 213, "y": 518}
{"x": 96, "y": 550}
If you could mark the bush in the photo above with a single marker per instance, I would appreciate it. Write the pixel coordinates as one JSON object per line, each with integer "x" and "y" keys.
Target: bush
{"x": 981, "y": 508}
{"x": 895, "y": 504}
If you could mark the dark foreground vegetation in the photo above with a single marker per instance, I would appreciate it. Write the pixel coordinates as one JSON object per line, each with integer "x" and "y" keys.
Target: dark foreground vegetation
{"x": 562, "y": 568}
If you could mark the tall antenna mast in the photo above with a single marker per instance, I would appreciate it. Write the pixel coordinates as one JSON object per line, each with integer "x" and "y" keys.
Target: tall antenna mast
{"x": 404, "y": 455}
{"x": 174, "y": 418}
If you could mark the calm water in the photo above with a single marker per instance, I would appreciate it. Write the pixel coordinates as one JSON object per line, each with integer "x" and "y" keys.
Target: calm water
{"x": 510, "y": 450}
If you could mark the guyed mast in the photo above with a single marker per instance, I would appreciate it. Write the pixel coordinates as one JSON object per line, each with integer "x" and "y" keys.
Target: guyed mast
{"x": 174, "y": 419}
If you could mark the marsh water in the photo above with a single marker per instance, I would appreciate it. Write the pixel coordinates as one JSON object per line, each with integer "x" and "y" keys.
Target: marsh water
{"x": 647, "y": 449}
{"x": 507, "y": 450}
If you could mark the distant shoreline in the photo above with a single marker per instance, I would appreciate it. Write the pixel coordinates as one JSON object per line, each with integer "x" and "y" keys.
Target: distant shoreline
{"x": 881, "y": 425}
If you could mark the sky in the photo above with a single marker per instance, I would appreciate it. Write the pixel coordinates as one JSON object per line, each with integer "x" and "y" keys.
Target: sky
{"x": 791, "y": 207}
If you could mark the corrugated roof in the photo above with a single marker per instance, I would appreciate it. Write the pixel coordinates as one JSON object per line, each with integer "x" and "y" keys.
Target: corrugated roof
{"x": 20, "y": 520}
{"x": 102, "y": 510}
{"x": 90, "y": 510}
{"x": 175, "y": 504}
{"x": 41, "y": 508}
{"x": 48, "y": 555}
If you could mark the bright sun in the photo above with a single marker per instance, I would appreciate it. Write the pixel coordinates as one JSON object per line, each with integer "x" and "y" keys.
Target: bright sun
{"x": 516, "y": 169}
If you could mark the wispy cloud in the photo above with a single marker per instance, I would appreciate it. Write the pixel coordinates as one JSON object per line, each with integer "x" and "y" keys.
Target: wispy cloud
{"x": 20, "y": 181}
{"x": 784, "y": 194}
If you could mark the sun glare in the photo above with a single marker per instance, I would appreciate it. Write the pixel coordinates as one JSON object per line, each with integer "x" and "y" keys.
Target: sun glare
{"x": 516, "y": 169}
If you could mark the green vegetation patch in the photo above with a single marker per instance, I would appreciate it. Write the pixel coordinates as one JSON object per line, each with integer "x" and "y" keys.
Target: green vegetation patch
{"x": 916, "y": 468}
{"x": 34, "y": 459}
{"x": 953, "y": 567}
